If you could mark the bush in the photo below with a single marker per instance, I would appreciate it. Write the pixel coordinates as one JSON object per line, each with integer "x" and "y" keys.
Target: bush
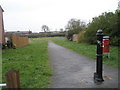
{"x": 81, "y": 36}
{"x": 115, "y": 41}
{"x": 108, "y": 22}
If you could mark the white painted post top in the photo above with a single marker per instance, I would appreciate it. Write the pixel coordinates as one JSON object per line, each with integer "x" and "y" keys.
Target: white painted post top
{"x": 2, "y": 85}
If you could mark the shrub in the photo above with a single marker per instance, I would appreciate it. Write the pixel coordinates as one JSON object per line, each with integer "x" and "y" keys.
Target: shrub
{"x": 108, "y": 22}
{"x": 81, "y": 36}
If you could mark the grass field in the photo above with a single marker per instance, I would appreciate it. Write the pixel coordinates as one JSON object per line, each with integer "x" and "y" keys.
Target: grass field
{"x": 32, "y": 61}
{"x": 90, "y": 51}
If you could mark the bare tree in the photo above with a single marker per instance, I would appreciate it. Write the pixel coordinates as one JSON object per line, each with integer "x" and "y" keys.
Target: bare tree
{"x": 74, "y": 26}
{"x": 45, "y": 28}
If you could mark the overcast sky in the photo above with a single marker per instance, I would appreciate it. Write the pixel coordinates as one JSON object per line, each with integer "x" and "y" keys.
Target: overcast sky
{"x": 32, "y": 14}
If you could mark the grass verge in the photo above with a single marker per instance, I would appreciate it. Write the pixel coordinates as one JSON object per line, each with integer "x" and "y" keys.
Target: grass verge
{"x": 32, "y": 61}
{"x": 90, "y": 51}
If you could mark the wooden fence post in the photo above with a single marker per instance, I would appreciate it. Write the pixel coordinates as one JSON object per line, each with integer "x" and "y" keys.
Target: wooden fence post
{"x": 12, "y": 79}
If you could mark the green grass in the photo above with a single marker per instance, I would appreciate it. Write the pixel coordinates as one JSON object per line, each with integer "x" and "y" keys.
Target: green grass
{"x": 32, "y": 61}
{"x": 90, "y": 51}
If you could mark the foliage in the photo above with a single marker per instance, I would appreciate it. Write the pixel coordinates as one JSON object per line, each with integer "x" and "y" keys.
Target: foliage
{"x": 108, "y": 22}
{"x": 74, "y": 26}
{"x": 45, "y": 28}
{"x": 32, "y": 61}
{"x": 90, "y": 51}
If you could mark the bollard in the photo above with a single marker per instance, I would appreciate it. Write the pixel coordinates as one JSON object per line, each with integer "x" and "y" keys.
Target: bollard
{"x": 98, "y": 74}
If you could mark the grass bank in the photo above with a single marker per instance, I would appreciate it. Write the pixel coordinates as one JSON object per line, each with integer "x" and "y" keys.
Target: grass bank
{"x": 90, "y": 51}
{"x": 32, "y": 61}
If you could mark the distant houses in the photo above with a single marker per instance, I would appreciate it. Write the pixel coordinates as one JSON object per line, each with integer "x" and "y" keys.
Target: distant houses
{"x": 2, "y": 38}
{"x": 19, "y": 33}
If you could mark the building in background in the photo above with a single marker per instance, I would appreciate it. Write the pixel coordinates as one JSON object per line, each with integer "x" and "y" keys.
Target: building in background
{"x": 19, "y": 33}
{"x": 2, "y": 39}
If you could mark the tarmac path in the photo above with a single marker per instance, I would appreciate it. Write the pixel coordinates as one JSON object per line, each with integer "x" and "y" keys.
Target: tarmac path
{"x": 72, "y": 70}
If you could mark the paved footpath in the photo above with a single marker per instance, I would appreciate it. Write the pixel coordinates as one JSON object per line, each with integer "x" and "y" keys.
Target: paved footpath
{"x": 72, "y": 70}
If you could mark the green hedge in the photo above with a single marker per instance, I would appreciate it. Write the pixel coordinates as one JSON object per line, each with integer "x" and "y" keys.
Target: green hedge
{"x": 109, "y": 23}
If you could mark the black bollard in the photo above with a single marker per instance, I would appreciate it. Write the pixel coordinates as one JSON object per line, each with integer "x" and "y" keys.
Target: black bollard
{"x": 98, "y": 74}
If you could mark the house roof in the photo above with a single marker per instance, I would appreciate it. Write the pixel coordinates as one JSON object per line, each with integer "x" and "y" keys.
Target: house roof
{"x": 18, "y": 32}
{"x": 1, "y": 8}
